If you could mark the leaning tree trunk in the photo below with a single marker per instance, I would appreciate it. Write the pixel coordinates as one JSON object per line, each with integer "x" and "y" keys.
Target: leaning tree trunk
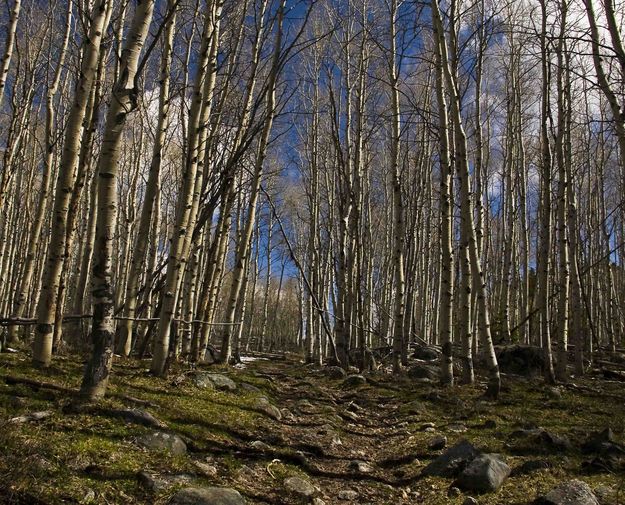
{"x": 124, "y": 101}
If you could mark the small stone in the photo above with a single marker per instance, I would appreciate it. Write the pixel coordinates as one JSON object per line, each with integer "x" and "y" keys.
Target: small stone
{"x": 158, "y": 482}
{"x": 334, "y": 372}
{"x": 213, "y": 381}
{"x": 532, "y": 465}
{"x": 572, "y": 492}
{"x": 32, "y": 417}
{"x": 430, "y": 429}
{"x": 437, "y": 443}
{"x": 161, "y": 441}
{"x": 299, "y": 487}
{"x": 354, "y": 381}
{"x": 425, "y": 426}
{"x": 347, "y": 494}
{"x": 206, "y": 469}
{"x": 89, "y": 496}
{"x": 360, "y": 466}
{"x": 259, "y": 445}
{"x": 457, "y": 428}
{"x": 207, "y": 496}
{"x": 553, "y": 392}
{"x": 453, "y": 492}
{"x": 318, "y": 501}
{"x": 469, "y": 500}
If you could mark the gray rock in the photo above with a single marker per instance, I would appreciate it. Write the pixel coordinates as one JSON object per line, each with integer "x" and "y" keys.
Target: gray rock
{"x": 540, "y": 439}
{"x": 530, "y": 466}
{"x": 457, "y": 428}
{"x": 598, "y": 442}
{"x": 347, "y": 494}
{"x": 299, "y": 487}
{"x": 453, "y": 461}
{"x": 259, "y": 445}
{"x": 437, "y": 443}
{"x": 453, "y": 492}
{"x": 249, "y": 388}
{"x": 161, "y": 441}
{"x": 32, "y": 417}
{"x": 521, "y": 359}
{"x": 334, "y": 372}
{"x": 354, "y": 381}
{"x": 138, "y": 416}
{"x": 206, "y": 469}
{"x": 159, "y": 482}
{"x": 419, "y": 371}
{"x": 222, "y": 382}
{"x": 573, "y": 492}
{"x": 484, "y": 474}
{"x": 207, "y": 496}
{"x": 360, "y": 466}
{"x": 426, "y": 353}
{"x": 263, "y": 405}
{"x": 415, "y": 407}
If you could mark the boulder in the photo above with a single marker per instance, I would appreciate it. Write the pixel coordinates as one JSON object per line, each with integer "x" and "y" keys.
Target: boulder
{"x": 207, "y": 496}
{"x": 222, "y": 382}
{"x": 426, "y": 353}
{"x": 484, "y": 474}
{"x": 354, "y": 381}
{"x": 453, "y": 461}
{"x": 524, "y": 360}
{"x": 600, "y": 441}
{"x": 161, "y": 441}
{"x": 422, "y": 371}
{"x": 263, "y": 405}
{"x": 299, "y": 487}
{"x": 573, "y": 492}
{"x": 539, "y": 439}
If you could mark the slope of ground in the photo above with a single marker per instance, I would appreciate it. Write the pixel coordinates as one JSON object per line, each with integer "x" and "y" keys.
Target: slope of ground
{"x": 356, "y": 444}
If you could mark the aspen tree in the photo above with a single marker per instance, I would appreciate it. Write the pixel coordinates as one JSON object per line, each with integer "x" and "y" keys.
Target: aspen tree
{"x": 185, "y": 218}
{"x": 29, "y": 266}
{"x": 42, "y": 347}
{"x": 545, "y": 203}
{"x": 446, "y": 225}
{"x": 124, "y": 101}
{"x": 462, "y": 168}
{"x": 243, "y": 244}
{"x": 5, "y": 63}
{"x": 149, "y": 199}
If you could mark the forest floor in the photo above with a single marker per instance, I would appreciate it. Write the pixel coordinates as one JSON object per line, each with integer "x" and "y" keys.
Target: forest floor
{"x": 364, "y": 444}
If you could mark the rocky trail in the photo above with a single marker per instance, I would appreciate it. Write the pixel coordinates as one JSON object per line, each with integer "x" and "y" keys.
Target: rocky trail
{"x": 280, "y": 432}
